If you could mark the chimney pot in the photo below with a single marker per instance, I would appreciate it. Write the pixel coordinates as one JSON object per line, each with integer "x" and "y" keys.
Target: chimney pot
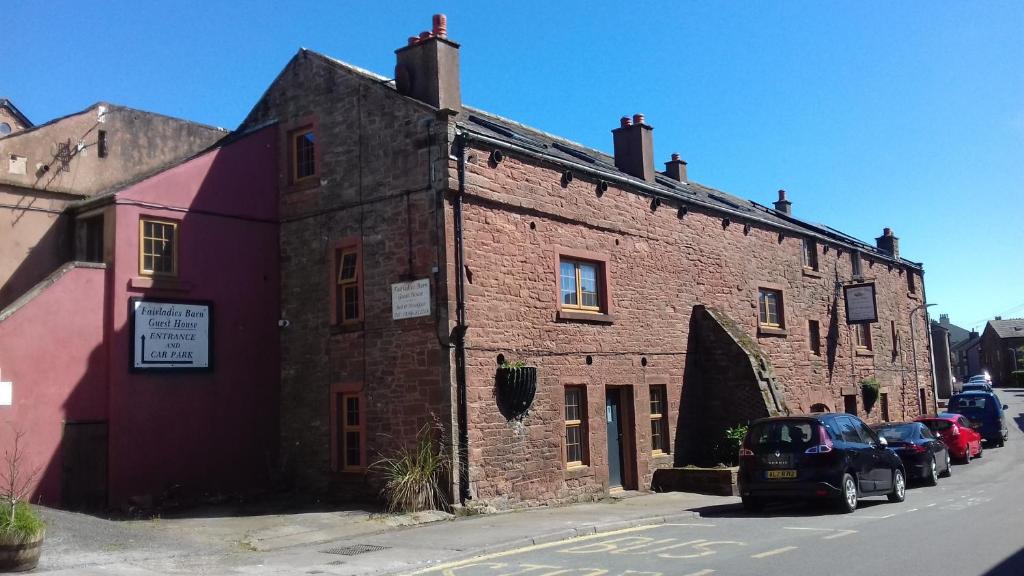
{"x": 638, "y": 118}
{"x": 413, "y": 40}
{"x": 783, "y": 205}
{"x": 675, "y": 156}
{"x": 634, "y": 148}
{"x": 440, "y": 26}
{"x": 624, "y": 121}
{"x": 999, "y": 317}
{"x": 424, "y": 35}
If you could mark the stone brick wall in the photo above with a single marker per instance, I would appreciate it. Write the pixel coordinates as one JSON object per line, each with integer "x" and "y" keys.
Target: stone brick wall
{"x": 517, "y": 214}
{"x": 383, "y": 169}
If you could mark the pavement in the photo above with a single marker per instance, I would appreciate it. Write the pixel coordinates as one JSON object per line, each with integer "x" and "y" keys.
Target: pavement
{"x": 232, "y": 540}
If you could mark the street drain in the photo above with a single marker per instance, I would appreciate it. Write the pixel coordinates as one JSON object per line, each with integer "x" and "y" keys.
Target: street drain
{"x": 354, "y": 549}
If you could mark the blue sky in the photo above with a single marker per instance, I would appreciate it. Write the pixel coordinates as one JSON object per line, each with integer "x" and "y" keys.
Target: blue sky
{"x": 870, "y": 114}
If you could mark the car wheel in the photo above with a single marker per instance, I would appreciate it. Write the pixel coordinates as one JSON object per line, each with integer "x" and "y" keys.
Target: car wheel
{"x": 752, "y": 504}
{"x": 933, "y": 473}
{"x": 981, "y": 450}
{"x": 899, "y": 487}
{"x": 967, "y": 455}
{"x": 949, "y": 468}
{"x": 1001, "y": 444}
{"x": 848, "y": 499}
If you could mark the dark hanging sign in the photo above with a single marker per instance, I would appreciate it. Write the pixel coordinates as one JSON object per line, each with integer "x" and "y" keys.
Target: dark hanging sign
{"x": 860, "y": 303}
{"x": 171, "y": 335}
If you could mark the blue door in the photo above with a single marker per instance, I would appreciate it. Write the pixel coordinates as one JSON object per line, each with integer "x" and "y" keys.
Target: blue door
{"x": 613, "y": 413}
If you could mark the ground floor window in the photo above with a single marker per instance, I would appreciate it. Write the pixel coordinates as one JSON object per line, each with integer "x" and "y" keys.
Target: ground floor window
{"x": 350, "y": 432}
{"x": 885, "y": 407}
{"x": 659, "y": 422}
{"x": 575, "y": 426}
{"x": 850, "y": 404}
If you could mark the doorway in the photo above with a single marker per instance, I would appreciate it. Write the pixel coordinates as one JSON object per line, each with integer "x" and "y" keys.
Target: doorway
{"x": 618, "y": 407}
{"x": 84, "y": 477}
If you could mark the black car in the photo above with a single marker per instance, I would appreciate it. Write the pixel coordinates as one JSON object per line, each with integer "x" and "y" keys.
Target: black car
{"x": 817, "y": 456}
{"x": 924, "y": 456}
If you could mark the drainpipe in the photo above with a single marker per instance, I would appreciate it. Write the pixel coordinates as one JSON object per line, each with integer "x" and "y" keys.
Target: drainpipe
{"x": 459, "y": 334}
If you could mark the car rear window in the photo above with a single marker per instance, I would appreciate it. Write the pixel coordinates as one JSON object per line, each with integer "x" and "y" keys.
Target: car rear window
{"x": 898, "y": 433}
{"x": 970, "y": 403}
{"x": 797, "y": 434}
{"x": 938, "y": 425}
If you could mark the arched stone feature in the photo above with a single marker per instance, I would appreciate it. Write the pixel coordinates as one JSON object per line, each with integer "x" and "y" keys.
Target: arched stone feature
{"x": 819, "y": 407}
{"x": 728, "y": 380}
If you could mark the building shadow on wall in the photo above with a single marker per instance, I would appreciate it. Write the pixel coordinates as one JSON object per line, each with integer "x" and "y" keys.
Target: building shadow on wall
{"x": 51, "y": 251}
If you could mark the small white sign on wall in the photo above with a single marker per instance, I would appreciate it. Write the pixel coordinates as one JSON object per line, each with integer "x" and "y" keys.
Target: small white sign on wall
{"x": 410, "y": 299}
{"x": 6, "y": 393}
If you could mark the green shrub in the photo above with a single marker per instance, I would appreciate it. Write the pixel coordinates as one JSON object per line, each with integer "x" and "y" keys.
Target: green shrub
{"x": 23, "y": 524}
{"x": 414, "y": 476}
{"x": 869, "y": 388}
{"x": 1018, "y": 376}
{"x": 728, "y": 447}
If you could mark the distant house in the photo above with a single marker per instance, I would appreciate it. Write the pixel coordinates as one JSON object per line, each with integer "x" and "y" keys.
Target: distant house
{"x": 1000, "y": 349}
{"x": 11, "y": 119}
{"x": 966, "y": 357}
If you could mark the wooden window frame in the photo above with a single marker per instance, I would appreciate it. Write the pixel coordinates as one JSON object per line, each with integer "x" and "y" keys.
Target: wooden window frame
{"x": 581, "y": 424}
{"x": 764, "y": 320}
{"x": 603, "y": 311}
{"x": 290, "y": 131}
{"x": 175, "y": 243}
{"x": 911, "y": 283}
{"x": 809, "y": 254}
{"x": 866, "y": 343}
{"x": 814, "y": 336}
{"x": 660, "y": 419}
{"x": 338, "y": 403}
{"x": 345, "y": 246}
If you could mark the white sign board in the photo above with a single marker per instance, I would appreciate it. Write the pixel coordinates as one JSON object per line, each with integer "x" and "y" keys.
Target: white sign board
{"x": 410, "y": 299}
{"x": 170, "y": 335}
{"x": 860, "y": 303}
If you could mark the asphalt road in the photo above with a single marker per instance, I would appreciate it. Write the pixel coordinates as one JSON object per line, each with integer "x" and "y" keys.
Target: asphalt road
{"x": 972, "y": 523}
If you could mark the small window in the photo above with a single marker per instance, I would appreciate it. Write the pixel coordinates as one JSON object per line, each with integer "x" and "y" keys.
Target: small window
{"x": 575, "y": 426}
{"x": 158, "y": 248}
{"x": 770, "y": 305}
{"x": 895, "y": 337}
{"x": 855, "y": 263}
{"x": 850, "y": 404}
{"x": 64, "y": 156}
{"x": 101, "y": 144}
{"x": 579, "y": 285}
{"x": 810, "y": 254}
{"x": 303, "y": 143}
{"x": 863, "y": 336}
{"x": 659, "y": 422}
{"x": 884, "y": 399}
{"x": 348, "y": 284}
{"x": 814, "y": 336}
{"x": 351, "y": 432}
{"x": 924, "y": 400}
{"x": 911, "y": 283}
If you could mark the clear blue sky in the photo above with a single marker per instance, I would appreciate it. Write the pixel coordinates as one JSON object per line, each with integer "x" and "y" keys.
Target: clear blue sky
{"x": 901, "y": 114}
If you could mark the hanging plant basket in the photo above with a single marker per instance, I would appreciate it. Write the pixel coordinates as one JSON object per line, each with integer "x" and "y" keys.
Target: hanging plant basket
{"x": 517, "y": 385}
{"x": 869, "y": 388}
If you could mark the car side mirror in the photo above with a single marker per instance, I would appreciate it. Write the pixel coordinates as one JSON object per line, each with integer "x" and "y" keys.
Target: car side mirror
{"x": 882, "y": 442}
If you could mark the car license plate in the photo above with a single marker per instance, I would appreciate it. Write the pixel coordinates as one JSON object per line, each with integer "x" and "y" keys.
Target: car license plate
{"x": 781, "y": 474}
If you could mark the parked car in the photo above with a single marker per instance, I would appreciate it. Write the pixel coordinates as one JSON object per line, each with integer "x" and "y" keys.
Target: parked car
{"x": 981, "y": 378}
{"x": 924, "y": 456}
{"x": 986, "y": 410}
{"x": 819, "y": 457}
{"x": 956, "y": 433}
{"x": 976, "y": 386}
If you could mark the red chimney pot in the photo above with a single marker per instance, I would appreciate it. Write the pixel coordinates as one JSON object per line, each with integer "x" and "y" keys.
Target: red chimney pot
{"x": 440, "y": 25}
{"x": 424, "y": 35}
{"x": 887, "y": 231}
{"x": 675, "y": 156}
{"x": 413, "y": 40}
{"x": 782, "y": 194}
{"x": 624, "y": 121}
{"x": 638, "y": 119}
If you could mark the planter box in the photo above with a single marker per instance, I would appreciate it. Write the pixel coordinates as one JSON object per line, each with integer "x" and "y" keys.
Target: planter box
{"x": 516, "y": 389}
{"x": 20, "y": 554}
{"x": 714, "y": 481}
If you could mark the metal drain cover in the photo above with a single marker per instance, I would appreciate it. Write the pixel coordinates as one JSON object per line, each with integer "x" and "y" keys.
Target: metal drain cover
{"x": 354, "y": 549}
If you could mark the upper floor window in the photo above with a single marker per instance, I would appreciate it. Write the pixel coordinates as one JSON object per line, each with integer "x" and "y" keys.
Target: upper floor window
{"x": 303, "y": 153}
{"x": 158, "y": 247}
{"x": 580, "y": 283}
{"x": 770, "y": 306}
{"x": 863, "y": 335}
{"x": 814, "y": 336}
{"x": 810, "y": 254}
{"x": 855, "y": 263}
{"x": 911, "y": 283}
{"x": 347, "y": 289}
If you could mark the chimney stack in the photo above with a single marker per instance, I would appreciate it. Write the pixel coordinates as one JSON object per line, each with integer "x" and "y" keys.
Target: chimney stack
{"x": 427, "y": 69}
{"x": 888, "y": 243}
{"x": 676, "y": 169}
{"x": 944, "y": 319}
{"x": 634, "y": 148}
{"x": 783, "y": 205}
{"x": 999, "y": 317}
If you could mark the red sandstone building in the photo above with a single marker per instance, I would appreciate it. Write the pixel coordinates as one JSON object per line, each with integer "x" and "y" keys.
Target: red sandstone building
{"x": 423, "y": 243}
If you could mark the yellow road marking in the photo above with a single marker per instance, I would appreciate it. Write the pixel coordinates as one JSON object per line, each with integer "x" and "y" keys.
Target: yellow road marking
{"x": 782, "y": 550}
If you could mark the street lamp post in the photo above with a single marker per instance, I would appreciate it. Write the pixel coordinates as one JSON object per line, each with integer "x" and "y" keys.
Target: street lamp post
{"x": 913, "y": 347}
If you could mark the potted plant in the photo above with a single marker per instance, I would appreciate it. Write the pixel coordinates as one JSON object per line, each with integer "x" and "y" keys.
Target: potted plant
{"x": 869, "y": 388}
{"x": 21, "y": 529}
{"x": 517, "y": 385}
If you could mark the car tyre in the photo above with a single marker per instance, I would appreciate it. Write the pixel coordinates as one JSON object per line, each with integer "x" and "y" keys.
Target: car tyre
{"x": 752, "y": 504}
{"x": 967, "y": 455}
{"x": 899, "y": 487}
{"x": 933, "y": 473}
{"x": 848, "y": 497}
{"x": 949, "y": 467}
{"x": 981, "y": 450}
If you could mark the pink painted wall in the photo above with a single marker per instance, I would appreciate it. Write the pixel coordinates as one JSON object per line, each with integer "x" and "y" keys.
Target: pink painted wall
{"x": 51, "y": 349}
{"x": 215, "y": 431}
{"x": 68, "y": 349}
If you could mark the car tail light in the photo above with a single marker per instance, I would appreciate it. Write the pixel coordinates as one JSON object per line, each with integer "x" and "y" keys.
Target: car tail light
{"x": 825, "y": 443}
{"x": 914, "y": 448}
{"x": 744, "y": 449}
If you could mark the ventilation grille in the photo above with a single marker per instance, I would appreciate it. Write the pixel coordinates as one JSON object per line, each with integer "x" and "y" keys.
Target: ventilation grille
{"x": 354, "y": 549}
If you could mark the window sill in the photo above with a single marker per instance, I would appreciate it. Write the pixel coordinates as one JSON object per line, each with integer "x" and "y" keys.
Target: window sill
{"x": 157, "y": 283}
{"x": 913, "y": 295}
{"x": 771, "y": 331}
{"x": 307, "y": 183}
{"x": 577, "y": 471}
{"x": 865, "y": 352}
{"x": 811, "y": 273}
{"x": 658, "y": 455}
{"x": 595, "y": 317}
{"x": 347, "y": 328}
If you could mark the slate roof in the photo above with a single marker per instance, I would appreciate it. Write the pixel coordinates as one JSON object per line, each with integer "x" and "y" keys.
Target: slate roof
{"x": 956, "y": 333}
{"x": 5, "y": 103}
{"x": 1012, "y": 328}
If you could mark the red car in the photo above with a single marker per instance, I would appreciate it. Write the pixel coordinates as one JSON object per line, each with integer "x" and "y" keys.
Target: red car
{"x": 956, "y": 433}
